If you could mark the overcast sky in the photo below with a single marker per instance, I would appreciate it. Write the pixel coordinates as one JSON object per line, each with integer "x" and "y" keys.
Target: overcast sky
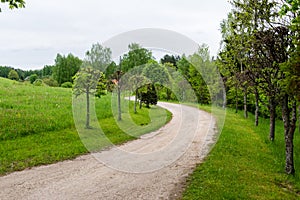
{"x": 30, "y": 38}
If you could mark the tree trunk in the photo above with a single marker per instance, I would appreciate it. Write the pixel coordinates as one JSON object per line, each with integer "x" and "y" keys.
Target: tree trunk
{"x": 236, "y": 99}
{"x": 272, "y": 109}
{"x": 256, "y": 107}
{"x": 135, "y": 100}
{"x": 87, "y": 123}
{"x": 289, "y": 129}
{"x": 245, "y": 103}
{"x": 119, "y": 103}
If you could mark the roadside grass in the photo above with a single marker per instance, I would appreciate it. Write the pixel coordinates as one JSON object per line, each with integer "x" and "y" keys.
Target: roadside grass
{"x": 244, "y": 164}
{"x": 37, "y": 125}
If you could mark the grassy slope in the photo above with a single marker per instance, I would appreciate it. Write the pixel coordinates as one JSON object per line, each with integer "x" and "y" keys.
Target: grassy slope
{"x": 245, "y": 165}
{"x": 37, "y": 126}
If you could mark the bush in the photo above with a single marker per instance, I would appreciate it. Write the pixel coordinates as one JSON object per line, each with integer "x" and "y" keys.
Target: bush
{"x": 50, "y": 82}
{"x": 38, "y": 82}
{"x": 33, "y": 78}
{"x": 67, "y": 85}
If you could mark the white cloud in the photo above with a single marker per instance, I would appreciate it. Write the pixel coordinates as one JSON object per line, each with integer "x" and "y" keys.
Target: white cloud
{"x": 31, "y": 37}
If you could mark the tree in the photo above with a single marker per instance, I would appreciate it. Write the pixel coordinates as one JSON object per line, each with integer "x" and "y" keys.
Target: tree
{"x": 136, "y": 81}
{"x": 137, "y": 56}
{"x": 291, "y": 84}
{"x": 85, "y": 82}
{"x": 101, "y": 86}
{"x": 65, "y": 68}
{"x": 14, "y": 3}
{"x": 259, "y": 42}
{"x": 13, "y": 75}
{"x": 134, "y": 61}
{"x": 47, "y": 70}
{"x": 170, "y": 59}
{"x": 99, "y": 57}
{"x": 148, "y": 95}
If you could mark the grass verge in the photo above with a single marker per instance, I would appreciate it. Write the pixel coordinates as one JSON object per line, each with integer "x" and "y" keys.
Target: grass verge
{"x": 37, "y": 126}
{"x": 244, "y": 164}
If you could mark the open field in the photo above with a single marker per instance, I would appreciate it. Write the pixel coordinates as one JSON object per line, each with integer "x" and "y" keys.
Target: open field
{"x": 37, "y": 126}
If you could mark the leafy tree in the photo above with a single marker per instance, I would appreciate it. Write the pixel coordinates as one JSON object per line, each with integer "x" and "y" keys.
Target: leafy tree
{"x": 14, "y": 3}
{"x": 13, "y": 75}
{"x": 148, "y": 95}
{"x": 65, "y": 68}
{"x": 156, "y": 73}
{"x": 111, "y": 70}
{"x": 137, "y": 56}
{"x": 258, "y": 41}
{"x": 85, "y": 82}
{"x": 170, "y": 59}
{"x": 99, "y": 57}
{"x": 47, "y": 70}
{"x": 134, "y": 61}
{"x": 291, "y": 84}
{"x": 4, "y": 71}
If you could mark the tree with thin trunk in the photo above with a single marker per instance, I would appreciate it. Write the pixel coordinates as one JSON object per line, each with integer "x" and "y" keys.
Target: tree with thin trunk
{"x": 85, "y": 83}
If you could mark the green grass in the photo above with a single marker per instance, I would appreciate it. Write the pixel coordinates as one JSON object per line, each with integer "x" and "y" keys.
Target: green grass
{"x": 244, "y": 164}
{"x": 37, "y": 125}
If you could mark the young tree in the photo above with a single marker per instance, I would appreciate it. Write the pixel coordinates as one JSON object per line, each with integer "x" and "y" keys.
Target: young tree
{"x": 99, "y": 57}
{"x": 85, "y": 82}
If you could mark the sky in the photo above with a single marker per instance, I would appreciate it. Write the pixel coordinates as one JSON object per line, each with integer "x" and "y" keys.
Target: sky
{"x": 31, "y": 38}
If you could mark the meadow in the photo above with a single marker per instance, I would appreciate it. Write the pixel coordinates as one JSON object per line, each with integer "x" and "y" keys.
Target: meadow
{"x": 244, "y": 164}
{"x": 37, "y": 125}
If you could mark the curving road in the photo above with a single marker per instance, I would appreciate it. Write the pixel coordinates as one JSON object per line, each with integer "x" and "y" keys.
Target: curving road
{"x": 153, "y": 167}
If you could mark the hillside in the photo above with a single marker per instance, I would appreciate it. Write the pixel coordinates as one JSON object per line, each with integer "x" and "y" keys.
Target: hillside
{"x": 37, "y": 126}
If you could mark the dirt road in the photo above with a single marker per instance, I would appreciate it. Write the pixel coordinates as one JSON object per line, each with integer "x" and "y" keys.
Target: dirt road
{"x": 153, "y": 167}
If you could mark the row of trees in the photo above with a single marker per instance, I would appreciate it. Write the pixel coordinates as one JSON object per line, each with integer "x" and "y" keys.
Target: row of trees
{"x": 260, "y": 56}
{"x": 137, "y": 73}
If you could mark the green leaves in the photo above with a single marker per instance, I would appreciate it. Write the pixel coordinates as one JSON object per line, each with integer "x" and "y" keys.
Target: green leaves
{"x": 14, "y": 3}
{"x": 86, "y": 81}
{"x": 99, "y": 57}
{"x": 136, "y": 56}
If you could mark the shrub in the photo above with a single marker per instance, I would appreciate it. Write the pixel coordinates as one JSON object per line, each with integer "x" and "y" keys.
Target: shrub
{"x": 67, "y": 85}
{"x": 33, "y": 78}
{"x": 38, "y": 82}
{"x": 50, "y": 82}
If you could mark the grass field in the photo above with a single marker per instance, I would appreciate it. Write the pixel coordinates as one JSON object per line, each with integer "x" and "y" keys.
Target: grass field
{"x": 244, "y": 164}
{"x": 37, "y": 126}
